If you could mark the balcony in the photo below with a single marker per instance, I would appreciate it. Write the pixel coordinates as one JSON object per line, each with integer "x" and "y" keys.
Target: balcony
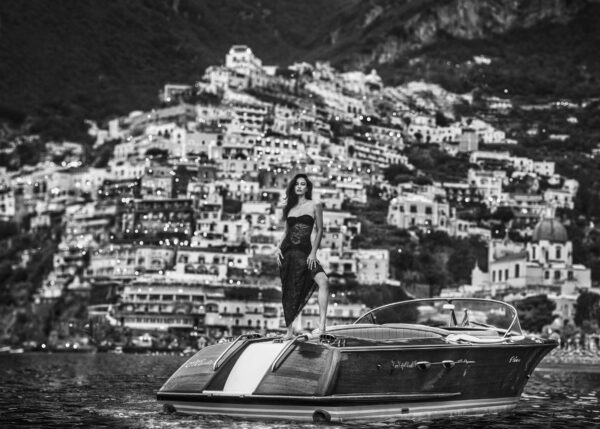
{"x": 228, "y": 314}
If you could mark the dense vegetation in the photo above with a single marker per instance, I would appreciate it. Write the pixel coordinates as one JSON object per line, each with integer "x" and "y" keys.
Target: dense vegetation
{"x": 20, "y": 279}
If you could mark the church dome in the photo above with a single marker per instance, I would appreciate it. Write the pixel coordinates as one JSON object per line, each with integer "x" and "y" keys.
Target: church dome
{"x": 551, "y": 230}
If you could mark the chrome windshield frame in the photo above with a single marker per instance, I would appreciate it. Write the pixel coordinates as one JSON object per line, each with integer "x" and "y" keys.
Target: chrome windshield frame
{"x": 512, "y": 328}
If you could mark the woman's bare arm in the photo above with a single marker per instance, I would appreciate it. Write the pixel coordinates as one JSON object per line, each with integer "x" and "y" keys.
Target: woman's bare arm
{"x": 278, "y": 254}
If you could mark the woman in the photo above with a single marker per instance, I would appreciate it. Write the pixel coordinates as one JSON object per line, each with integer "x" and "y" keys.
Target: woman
{"x": 299, "y": 268}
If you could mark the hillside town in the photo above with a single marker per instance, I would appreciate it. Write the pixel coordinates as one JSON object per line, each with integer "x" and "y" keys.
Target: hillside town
{"x": 173, "y": 238}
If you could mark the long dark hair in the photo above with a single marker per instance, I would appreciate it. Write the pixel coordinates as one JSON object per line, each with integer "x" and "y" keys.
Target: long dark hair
{"x": 291, "y": 197}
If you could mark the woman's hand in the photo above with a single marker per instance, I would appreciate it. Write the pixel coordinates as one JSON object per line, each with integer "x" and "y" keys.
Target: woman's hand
{"x": 312, "y": 261}
{"x": 278, "y": 256}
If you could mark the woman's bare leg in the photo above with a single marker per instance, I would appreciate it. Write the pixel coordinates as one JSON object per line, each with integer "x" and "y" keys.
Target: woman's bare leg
{"x": 322, "y": 281}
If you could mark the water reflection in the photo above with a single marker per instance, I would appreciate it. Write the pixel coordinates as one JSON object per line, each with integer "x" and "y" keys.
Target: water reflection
{"x": 117, "y": 391}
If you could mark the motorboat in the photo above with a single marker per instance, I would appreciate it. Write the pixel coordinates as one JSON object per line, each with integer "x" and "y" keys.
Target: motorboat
{"x": 417, "y": 359}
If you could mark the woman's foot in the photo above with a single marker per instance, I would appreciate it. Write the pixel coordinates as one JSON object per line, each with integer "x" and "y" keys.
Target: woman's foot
{"x": 321, "y": 328}
{"x": 288, "y": 335}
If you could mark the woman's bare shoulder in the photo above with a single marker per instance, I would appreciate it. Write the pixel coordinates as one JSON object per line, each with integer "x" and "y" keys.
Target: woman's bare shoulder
{"x": 316, "y": 206}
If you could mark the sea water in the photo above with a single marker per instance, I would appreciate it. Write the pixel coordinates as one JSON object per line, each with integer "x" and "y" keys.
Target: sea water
{"x": 64, "y": 390}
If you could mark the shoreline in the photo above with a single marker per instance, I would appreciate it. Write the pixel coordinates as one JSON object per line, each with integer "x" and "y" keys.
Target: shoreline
{"x": 571, "y": 358}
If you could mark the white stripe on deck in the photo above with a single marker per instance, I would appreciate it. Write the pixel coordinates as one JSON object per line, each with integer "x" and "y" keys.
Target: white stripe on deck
{"x": 251, "y": 366}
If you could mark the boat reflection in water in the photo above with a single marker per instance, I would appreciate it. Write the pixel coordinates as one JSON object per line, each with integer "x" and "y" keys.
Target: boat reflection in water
{"x": 416, "y": 359}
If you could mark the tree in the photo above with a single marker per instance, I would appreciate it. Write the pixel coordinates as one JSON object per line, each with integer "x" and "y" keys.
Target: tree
{"x": 395, "y": 172}
{"x": 8, "y": 229}
{"x": 156, "y": 153}
{"x": 535, "y": 312}
{"x": 587, "y": 308}
{"x": 441, "y": 120}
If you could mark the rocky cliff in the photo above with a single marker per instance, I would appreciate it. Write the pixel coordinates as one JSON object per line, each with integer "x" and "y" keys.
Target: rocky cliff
{"x": 384, "y": 31}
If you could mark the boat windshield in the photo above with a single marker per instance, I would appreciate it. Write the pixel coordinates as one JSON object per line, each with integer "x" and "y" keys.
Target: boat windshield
{"x": 451, "y": 314}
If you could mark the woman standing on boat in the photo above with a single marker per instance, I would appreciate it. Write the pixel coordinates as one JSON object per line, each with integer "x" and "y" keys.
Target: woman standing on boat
{"x": 299, "y": 268}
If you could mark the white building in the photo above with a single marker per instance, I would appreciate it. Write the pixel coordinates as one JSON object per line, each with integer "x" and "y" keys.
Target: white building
{"x": 367, "y": 266}
{"x": 488, "y": 184}
{"x": 420, "y": 211}
{"x": 544, "y": 265}
{"x": 242, "y": 60}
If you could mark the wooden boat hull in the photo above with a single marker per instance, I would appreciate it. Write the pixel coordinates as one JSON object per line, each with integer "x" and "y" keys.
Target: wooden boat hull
{"x": 356, "y": 379}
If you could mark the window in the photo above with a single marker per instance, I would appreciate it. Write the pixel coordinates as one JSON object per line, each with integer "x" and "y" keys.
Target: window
{"x": 428, "y": 210}
{"x": 558, "y": 252}
{"x": 499, "y": 275}
{"x": 494, "y": 276}
{"x": 556, "y": 275}
{"x": 517, "y": 267}
{"x": 413, "y": 208}
{"x": 569, "y": 275}
{"x": 533, "y": 253}
{"x": 547, "y": 275}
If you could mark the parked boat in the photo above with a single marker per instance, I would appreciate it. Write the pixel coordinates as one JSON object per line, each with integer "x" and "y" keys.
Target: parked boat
{"x": 414, "y": 359}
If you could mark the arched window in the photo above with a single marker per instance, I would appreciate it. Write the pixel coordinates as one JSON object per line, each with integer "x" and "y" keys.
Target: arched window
{"x": 558, "y": 252}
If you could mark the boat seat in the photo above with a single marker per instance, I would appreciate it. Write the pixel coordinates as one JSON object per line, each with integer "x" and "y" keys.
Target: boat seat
{"x": 476, "y": 332}
{"x": 390, "y": 331}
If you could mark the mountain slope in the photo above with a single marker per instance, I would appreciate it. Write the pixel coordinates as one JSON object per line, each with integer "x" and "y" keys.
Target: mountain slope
{"x": 111, "y": 56}
{"x": 68, "y": 60}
